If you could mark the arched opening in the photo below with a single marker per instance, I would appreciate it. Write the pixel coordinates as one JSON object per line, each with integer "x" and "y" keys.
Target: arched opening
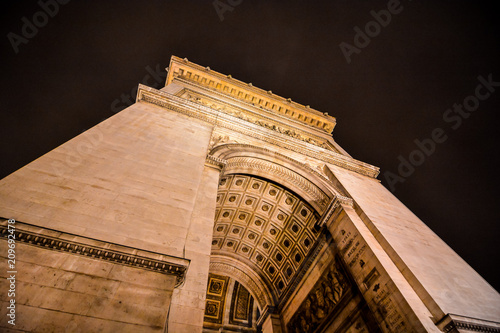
{"x": 265, "y": 228}
{"x": 307, "y": 182}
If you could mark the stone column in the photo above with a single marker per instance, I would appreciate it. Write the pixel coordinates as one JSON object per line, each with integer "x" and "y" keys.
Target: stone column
{"x": 188, "y": 301}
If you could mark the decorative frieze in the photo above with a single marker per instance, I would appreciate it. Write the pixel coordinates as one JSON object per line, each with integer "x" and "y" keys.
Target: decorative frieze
{"x": 455, "y": 326}
{"x": 197, "y": 111}
{"x": 252, "y": 118}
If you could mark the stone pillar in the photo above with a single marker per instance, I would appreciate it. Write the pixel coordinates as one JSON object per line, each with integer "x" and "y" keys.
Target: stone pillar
{"x": 188, "y": 301}
{"x": 444, "y": 282}
{"x": 391, "y": 299}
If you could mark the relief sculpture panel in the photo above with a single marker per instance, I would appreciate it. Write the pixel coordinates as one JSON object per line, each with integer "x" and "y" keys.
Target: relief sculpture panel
{"x": 321, "y": 301}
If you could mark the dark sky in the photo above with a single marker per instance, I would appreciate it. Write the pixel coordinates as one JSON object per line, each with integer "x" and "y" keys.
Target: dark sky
{"x": 65, "y": 77}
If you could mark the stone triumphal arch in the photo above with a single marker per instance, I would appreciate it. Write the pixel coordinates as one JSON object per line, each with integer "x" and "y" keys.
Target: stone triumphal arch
{"x": 212, "y": 205}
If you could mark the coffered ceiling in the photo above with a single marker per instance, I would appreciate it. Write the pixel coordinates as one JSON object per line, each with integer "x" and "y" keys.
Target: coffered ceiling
{"x": 265, "y": 226}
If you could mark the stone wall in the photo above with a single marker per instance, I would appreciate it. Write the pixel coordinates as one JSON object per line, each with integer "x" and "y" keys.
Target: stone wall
{"x": 137, "y": 179}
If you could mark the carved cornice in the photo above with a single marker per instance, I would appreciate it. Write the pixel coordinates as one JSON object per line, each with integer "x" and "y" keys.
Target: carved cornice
{"x": 280, "y": 172}
{"x": 171, "y": 102}
{"x": 319, "y": 153}
{"x": 234, "y": 103}
{"x": 197, "y": 111}
{"x": 97, "y": 250}
{"x": 345, "y": 200}
{"x": 454, "y": 326}
{"x": 246, "y": 92}
{"x": 215, "y": 162}
{"x": 455, "y": 323}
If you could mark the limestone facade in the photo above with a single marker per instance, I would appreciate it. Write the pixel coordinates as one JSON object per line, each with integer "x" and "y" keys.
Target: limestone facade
{"x": 212, "y": 205}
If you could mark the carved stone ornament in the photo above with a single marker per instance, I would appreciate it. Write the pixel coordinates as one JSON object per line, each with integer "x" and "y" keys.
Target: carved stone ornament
{"x": 36, "y": 236}
{"x": 246, "y": 116}
{"x": 336, "y": 203}
{"x": 320, "y": 301}
{"x": 280, "y": 172}
{"x": 217, "y": 140}
{"x": 455, "y": 324}
{"x": 197, "y": 111}
{"x": 215, "y": 162}
{"x": 189, "y": 73}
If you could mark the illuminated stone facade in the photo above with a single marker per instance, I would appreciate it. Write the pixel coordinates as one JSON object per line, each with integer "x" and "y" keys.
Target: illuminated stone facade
{"x": 212, "y": 205}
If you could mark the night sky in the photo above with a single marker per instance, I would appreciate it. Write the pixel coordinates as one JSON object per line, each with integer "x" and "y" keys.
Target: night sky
{"x": 71, "y": 72}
